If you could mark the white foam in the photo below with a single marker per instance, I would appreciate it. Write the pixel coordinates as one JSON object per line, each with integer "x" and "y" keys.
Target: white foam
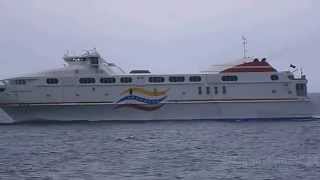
{"x": 4, "y": 118}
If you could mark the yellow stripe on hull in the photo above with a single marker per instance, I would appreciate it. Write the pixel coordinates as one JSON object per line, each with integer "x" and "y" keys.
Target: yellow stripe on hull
{"x": 145, "y": 92}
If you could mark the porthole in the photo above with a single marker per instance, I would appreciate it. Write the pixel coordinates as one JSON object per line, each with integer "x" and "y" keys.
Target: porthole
{"x": 274, "y": 77}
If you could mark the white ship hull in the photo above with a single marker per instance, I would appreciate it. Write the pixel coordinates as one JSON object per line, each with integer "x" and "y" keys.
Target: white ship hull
{"x": 90, "y": 89}
{"x": 172, "y": 111}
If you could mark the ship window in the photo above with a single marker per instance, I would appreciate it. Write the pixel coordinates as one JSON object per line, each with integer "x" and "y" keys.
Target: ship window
{"x": 176, "y": 79}
{"x": 87, "y": 80}
{"x": 195, "y": 78}
{"x": 20, "y": 82}
{"x": 156, "y": 79}
{"x": 229, "y": 78}
{"x": 52, "y": 81}
{"x": 208, "y": 90}
{"x": 224, "y": 90}
{"x": 199, "y": 90}
{"x": 140, "y": 72}
{"x": 274, "y": 77}
{"x": 126, "y": 80}
{"x": 108, "y": 80}
{"x": 94, "y": 60}
{"x": 216, "y": 91}
{"x": 301, "y": 89}
{"x": 291, "y": 77}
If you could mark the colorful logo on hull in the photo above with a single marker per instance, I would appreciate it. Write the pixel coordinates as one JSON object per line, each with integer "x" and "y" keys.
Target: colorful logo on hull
{"x": 141, "y": 99}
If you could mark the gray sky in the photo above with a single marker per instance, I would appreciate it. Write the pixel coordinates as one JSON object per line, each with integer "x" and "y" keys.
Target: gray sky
{"x": 165, "y": 36}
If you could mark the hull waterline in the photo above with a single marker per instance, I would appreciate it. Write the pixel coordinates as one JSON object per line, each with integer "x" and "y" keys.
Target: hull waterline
{"x": 173, "y": 111}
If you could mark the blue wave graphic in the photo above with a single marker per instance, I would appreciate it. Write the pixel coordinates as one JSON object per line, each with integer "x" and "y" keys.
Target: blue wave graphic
{"x": 143, "y": 100}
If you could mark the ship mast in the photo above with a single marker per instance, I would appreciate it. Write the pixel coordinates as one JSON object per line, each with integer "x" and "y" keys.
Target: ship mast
{"x": 245, "y": 46}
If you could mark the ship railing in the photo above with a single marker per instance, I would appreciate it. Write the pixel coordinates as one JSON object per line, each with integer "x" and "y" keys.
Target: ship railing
{"x": 297, "y": 77}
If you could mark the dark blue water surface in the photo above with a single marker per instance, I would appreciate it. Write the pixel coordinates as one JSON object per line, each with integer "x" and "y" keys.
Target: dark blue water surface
{"x": 161, "y": 150}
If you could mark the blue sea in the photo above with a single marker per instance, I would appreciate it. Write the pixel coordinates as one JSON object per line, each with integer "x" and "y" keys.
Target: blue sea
{"x": 263, "y": 150}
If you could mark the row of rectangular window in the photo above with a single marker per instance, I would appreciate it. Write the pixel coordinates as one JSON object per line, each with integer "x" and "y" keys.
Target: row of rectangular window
{"x": 23, "y": 81}
{"x": 216, "y": 90}
{"x": 273, "y": 77}
{"x": 113, "y": 80}
{"x": 122, "y": 80}
{"x": 20, "y": 82}
{"x": 159, "y": 79}
{"x": 155, "y": 79}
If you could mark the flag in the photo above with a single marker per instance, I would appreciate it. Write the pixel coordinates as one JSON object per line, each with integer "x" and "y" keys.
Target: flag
{"x": 293, "y": 66}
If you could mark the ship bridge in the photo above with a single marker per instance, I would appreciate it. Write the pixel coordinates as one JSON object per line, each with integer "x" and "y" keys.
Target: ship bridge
{"x": 92, "y": 61}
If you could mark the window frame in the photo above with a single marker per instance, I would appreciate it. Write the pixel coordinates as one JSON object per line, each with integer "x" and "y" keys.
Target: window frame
{"x": 177, "y": 79}
{"x": 124, "y": 80}
{"x": 52, "y": 81}
{"x": 19, "y": 82}
{"x": 229, "y": 78}
{"x": 87, "y": 80}
{"x": 156, "y": 79}
{"x": 195, "y": 79}
{"x": 108, "y": 80}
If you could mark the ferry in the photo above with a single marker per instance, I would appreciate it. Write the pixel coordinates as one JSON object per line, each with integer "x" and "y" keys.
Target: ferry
{"x": 89, "y": 88}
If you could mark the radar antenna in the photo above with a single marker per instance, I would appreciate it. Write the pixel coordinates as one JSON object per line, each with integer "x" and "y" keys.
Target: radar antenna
{"x": 245, "y": 46}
